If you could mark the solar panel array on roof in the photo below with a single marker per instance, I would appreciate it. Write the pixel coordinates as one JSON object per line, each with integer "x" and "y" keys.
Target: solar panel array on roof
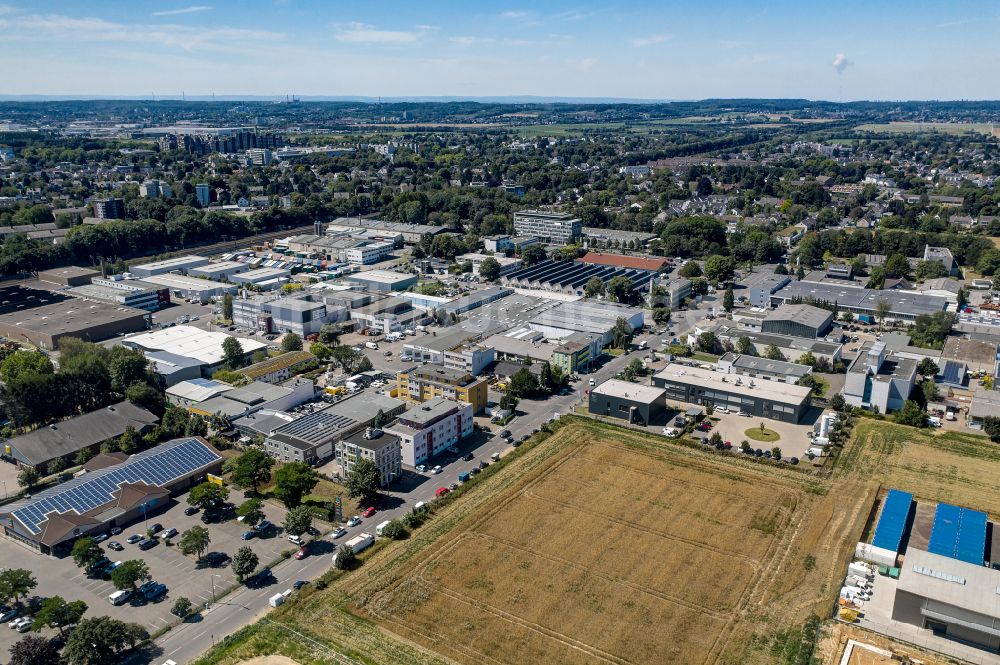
{"x": 892, "y": 522}
{"x": 952, "y": 371}
{"x": 160, "y": 466}
{"x": 316, "y": 426}
{"x": 959, "y": 533}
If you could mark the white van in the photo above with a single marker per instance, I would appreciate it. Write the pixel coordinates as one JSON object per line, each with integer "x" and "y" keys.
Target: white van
{"x": 418, "y": 506}
{"x": 371, "y": 345}
{"x": 120, "y": 597}
{"x": 381, "y": 527}
{"x": 276, "y": 599}
{"x": 296, "y": 540}
{"x": 934, "y": 421}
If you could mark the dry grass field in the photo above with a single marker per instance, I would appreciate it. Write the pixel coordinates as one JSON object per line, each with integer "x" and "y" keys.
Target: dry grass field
{"x": 601, "y": 545}
{"x": 922, "y": 127}
{"x": 934, "y": 466}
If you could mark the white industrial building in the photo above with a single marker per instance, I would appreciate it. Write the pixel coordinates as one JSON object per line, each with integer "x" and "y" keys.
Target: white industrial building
{"x": 191, "y": 288}
{"x": 302, "y": 315}
{"x": 179, "y": 264}
{"x": 266, "y": 279}
{"x": 507, "y": 264}
{"x": 429, "y": 428}
{"x": 879, "y": 380}
{"x": 585, "y": 316}
{"x": 189, "y": 342}
{"x": 222, "y": 271}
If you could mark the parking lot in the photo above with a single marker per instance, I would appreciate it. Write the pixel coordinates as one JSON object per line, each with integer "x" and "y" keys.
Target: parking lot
{"x": 794, "y": 438}
{"x": 182, "y": 575}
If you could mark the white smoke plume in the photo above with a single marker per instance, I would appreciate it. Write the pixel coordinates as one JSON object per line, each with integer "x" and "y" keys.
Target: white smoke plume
{"x": 840, "y": 63}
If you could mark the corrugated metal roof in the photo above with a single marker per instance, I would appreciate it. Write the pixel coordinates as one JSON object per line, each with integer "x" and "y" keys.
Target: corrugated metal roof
{"x": 892, "y": 522}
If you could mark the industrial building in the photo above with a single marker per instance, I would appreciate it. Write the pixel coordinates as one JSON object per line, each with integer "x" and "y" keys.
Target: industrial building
{"x": 454, "y": 349}
{"x": 68, "y": 275}
{"x": 265, "y": 279}
{"x": 623, "y": 261}
{"x": 189, "y": 342}
{"x": 411, "y": 233}
{"x": 604, "y": 238}
{"x": 585, "y": 316}
{"x": 878, "y": 380}
{"x": 519, "y": 344}
{"x": 798, "y": 320}
{"x": 788, "y": 346}
{"x": 303, "y": 315}
{"x": 903, "y": 305}
{"x": 507, "y": 264}
{"x": 207, "y": 397}
{"x": 382, "y": 281}
{"x": 381, "y": 447}
{"x": 42, "y": 318}
{"x": 220, "y": 271}
{"x": 179, "y": 264}
{"x": 422, "y": 383}
{"x": 278, "y": 368}
{"x": 763, "y": 368}
{"x": 477, "y": 299}
{"x": 128, "y": 292}
{"x": 551, "y": 227}
{"x": 100, "y": 499}
{"x": 628, "y": 401}
{"x": 191, "y": 288}
{"x": 430, "y": 428}
{"x": 570, "y": 277}
{"x": 763, "y": 399}
{"x": 758, "y": 287}
{"x": 312, "y": 437}
{"x": 65, "y": 439}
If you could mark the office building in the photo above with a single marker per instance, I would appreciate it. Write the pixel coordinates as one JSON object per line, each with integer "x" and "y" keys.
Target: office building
{"x": 943, "y": 256}
{"x": 422, "y": 383}
{"x": 430, "y": 428}
{"x": 191, "y": 288}
{"x": 302, "y": 315}
{"x": 382, "y": 281}
{"x": 109, "y": 208}
{"x": 631, "y": 402}
{"x": 798, "y": 321}
{"x": 878, "y": 380}
{"x": 368, "y": 252}
{"x": 762, "y": 399}
{"x": 551, "y": 227}
{"x": 259, "y": 156}
{"x": 155, "y": 189}
{"x": 576, "y": 354}
{"x": 203, "y": 192}
{"x": 453, "y": 349}
{"x": 381, "y": 447}
{"x": 128, "y": 292}
{"x": 758, "y": 287}
{"x": 755, "y": 367}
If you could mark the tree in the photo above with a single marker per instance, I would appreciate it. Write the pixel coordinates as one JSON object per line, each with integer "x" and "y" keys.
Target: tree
{"x": 320, "y": 350}
{"x": 661, "y": 315}
{"x": 800, "y": 273}
{"x": 298, "y": 520}
{"x": 728, "y": 300}
{"x": 227, "y": 306}
{"x": 508, "y": 401}
{"x": 594, "y": 287}
{"x": 293, "y": 481}
{"x": 837, "y": 402}
{"x": 620, "y": 289}
{"x": 194, "y": 541}
{"x": 379, "y": 419}
{"x": 129, "y": 573}
{"x": 848, "y": 317}
{"x": 196, "y": 426}
{"x": 489, "y": 269}
{"x": 708, "y": 342}
{"x": 101, "y": 641}
{"x": 146, "y": 396}
{"x": 896, "y": 266}
{"x": 16, "y": 583}
{"x": 345, "y": 557}
{"x": 232, "y": 353}
{"x": 251, "y": 469}
{"x": 532, "y": 254}
{"x": 715, "y": 439}
{"x": 991, "y": 427}
{"x": 911, "y": 414}
{"x": 86, "y": 552}
{"x": 690, "y": 270}
{"x": 364, "y": 479}
{"x": 882, "y": 309}
{"x": 395, "y": 530}
{"x": 244, "y": 563}
{"x": 633, "y": 370}
{"x": 24, "y": 363}
{"x": 523, "y": 383}
{"x": 291, "y": 342}
{"x": 931, "y": 330}
{"x": 719, "y": 268}
{"x": 929, "y": 270}
{"x": 927, "y": 368}
{"x": 744, "y": 346}
{"x": 56, "y": 613}
{"x": 206, "y": 495}
{"x": 776, "y": 453}
{"x": 252, "y": 512}
{"x": 744, "y": 445}
{"x": 876, "y": 278}
{"x": 773, "y": 353}
{"x": 125, "y": 367}
{"x": 621, "y": 333}
{"x": 182, "y": 608}
{"x": 34, "y": 650}
{"x": 28, "y": 477}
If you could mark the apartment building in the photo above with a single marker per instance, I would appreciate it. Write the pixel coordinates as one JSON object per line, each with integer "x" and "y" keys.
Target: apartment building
{"x": 381, "y": 447}
{"x": 427, "y": 382}
{"x": 430, "y": 428}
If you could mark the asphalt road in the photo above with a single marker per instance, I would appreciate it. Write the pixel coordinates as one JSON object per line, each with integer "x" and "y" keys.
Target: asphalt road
{"x": 187, "y": 642}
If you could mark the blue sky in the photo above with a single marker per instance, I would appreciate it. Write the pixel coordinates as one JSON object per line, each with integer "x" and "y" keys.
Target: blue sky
{"x": 656, "y": 50}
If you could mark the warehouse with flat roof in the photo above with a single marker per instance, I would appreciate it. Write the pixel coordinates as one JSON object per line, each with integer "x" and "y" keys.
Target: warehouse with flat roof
{"x": 585, "y": 316}
{"x": 382, "y": 281}
{"x": 190, "y": 342}
{"x": 764, "y": 399}
{"x": 179, "y": 264}
{"x": 797, "y": 320}
{"x": 903, "y": 305}
{"x": 632, "y": 402}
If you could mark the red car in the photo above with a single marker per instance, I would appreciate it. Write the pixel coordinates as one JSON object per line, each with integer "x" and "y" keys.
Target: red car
{"x": 369, "y": 512}
{"x": 441, "y": 491}
{"x": 302, "y": 553}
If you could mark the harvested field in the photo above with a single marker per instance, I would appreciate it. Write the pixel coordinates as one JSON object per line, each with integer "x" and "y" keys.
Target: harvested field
{"x": 951, "y": 467}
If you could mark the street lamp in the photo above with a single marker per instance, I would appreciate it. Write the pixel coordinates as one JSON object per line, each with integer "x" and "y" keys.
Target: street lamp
{"x": 213, "y": 587}
{"x": 144, "y": 526}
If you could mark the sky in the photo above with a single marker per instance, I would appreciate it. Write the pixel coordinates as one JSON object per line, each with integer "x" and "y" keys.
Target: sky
{"x": 833, "y": 50}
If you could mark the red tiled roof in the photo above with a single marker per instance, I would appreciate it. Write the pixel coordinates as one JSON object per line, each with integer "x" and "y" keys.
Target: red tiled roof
{"x": 622, "y": 261}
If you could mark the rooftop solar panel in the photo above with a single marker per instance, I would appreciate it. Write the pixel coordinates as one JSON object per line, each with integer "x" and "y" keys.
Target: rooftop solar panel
{"x": 892, "y": 522}
{"x": 159, "y": 466}
{"x": 959, "y": 533}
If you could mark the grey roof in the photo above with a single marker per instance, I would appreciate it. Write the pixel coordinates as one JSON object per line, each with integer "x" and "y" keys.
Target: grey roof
{"x": 377, "y": 443}
{"x": 314, "y": 429}
{"x": 952, "y": 582}
{"x": 70, "y": 436}
{"x": 758, "y": 364}
{"x": 628, "y": 390}
{"x": 900, "y": 302}
{"x": 430, "y": 411}
{"x": 984, "y": 403}
{"x": 802, "y": 344}
{"x": 808, "y": 315}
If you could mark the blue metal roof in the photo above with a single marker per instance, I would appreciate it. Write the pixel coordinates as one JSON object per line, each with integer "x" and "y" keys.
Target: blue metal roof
{"x": 959, "y": 533}
{"x": 892, "y": 522}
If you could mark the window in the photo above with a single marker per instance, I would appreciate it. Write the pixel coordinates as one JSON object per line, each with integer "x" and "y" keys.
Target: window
{"x": 623, "y": 408}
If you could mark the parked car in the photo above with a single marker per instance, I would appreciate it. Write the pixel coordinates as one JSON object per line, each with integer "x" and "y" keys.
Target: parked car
{"x": 338, "y": 532}
{"x": 436, "y": 470}
{"x": 25, "y": 625}
{"x": 169, "y": 533}
{"x": 299, "y": 584}
{"x": 354, "y": 521}
{"x": 369, "y": 511}
{"x": 216, "y": 559}
{"x": 133, "y": 539}
{"x": 441, "y": 491}
{"x": 421, "y": 468}
{"x": 302, "y": 553}
{"x": 13, "y": 623}
{"x": 505, "y": 433}
{"x": 247, "y": 535}
{"x": 155, "y": 527}
{"x": 115, "y": 530}
{"x": 467, "y": 457}
{"x": 190, "y": 510}
{"x": 115, "y": 545}
{"x": 453, "y": 450}
{"x": 100, "y": 538}
{"x": 263, "y": 526}
{"x": 146, "y": 543}
{"x": 7, "y": 615}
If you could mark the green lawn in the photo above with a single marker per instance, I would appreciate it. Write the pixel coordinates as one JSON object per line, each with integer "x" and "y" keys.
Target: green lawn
{"x": 765, "y": 435}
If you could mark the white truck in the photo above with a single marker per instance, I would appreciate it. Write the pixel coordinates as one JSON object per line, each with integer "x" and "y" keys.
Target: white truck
{"x": 381, "y": 527}
{"x": 276, "y": 599}
{"x": 371, "y": 345}
{"x": 358, "y": 543}
{"x": 859, "y": 569}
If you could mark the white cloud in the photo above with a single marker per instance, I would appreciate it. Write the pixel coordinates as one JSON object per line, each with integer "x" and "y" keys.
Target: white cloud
{"x": 184, "y": 10}
{"x": 361, "y": 33}
{"x": 584, "y": 64}
{"x": 6, "y": 9}
{"x": 840, "y": 63}
{"x": 730, "y": 43}
{"x": 640, "y": 42}
{"x": 513, "y": 15}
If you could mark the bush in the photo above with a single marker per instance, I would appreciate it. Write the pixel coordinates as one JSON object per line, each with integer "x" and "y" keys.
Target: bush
{"x": 395, "y": 530}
